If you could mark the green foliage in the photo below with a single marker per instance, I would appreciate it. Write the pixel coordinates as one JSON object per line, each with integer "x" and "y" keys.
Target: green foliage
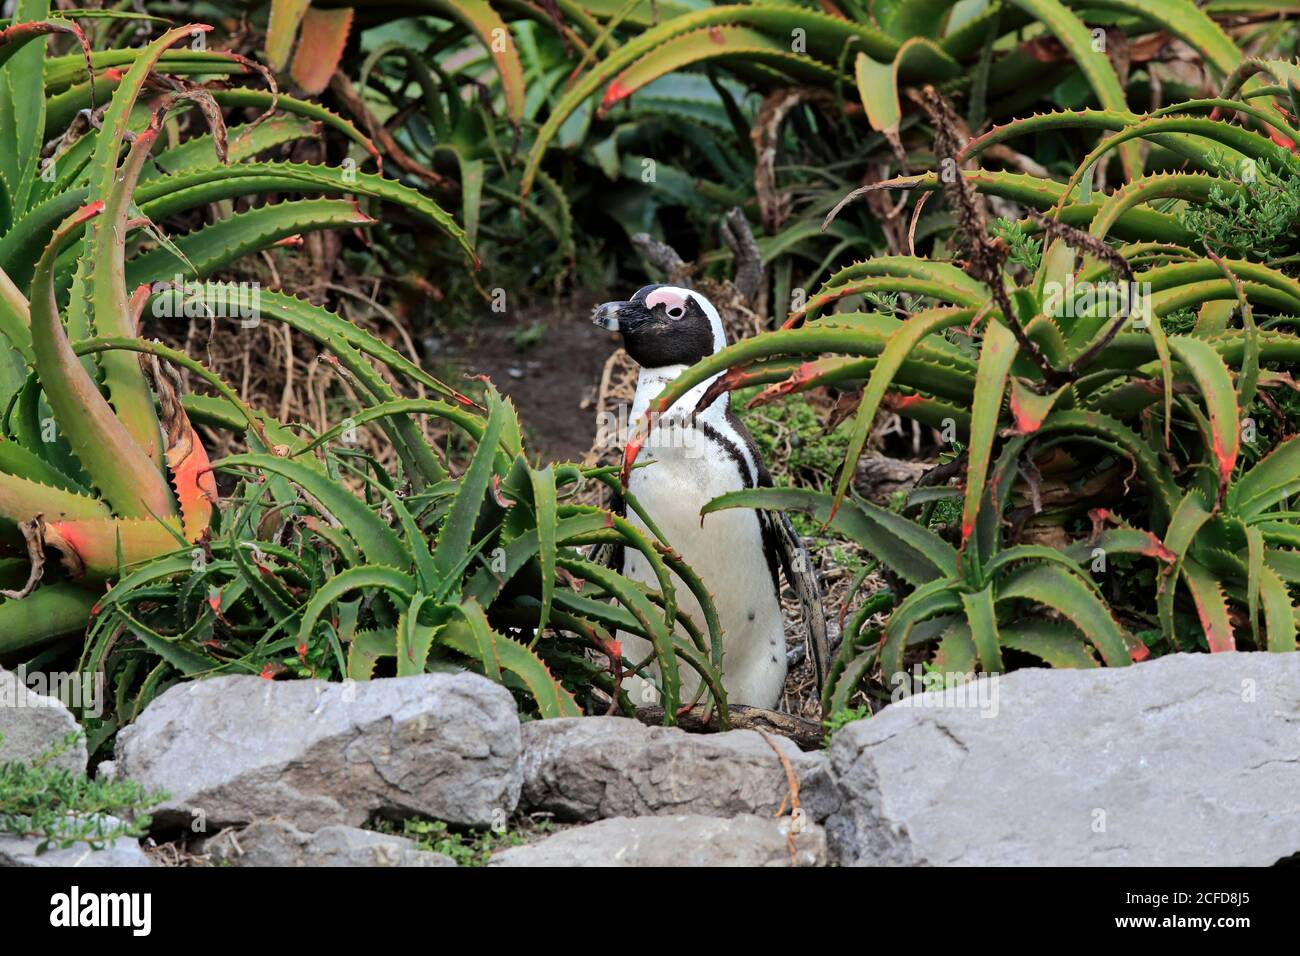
{"x": 1068, "y": 410}
{"x": 467, "y": 848}
{"x": 1256, "y": 221}
{"x": 842, "y": 718}
{"x": 100, "y": 460}
{"x": 324, "y": 561}
{"x": 325, "y": 564}
{"x": 1023, "y": 248}
{"x": 62, "y": 808}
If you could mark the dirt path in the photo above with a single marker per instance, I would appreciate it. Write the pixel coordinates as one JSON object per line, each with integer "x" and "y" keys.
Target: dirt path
{"x": 548, "y": 359}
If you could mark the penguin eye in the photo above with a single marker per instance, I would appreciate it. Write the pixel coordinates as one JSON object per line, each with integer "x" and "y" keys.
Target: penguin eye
{"x": 676, "y": 312}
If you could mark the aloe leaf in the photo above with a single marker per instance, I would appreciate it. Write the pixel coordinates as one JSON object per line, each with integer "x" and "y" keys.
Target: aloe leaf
{"x": 371, "y": 577}
{"x": 940, "y": 596}
{"x": 826, "y": 36}
{"x": 1215, "y": 383}
{"x": 1211, "y": 605}
{"x": 367, "y": 648}
{"x": 997, "y": 352}
{"x": 323, "y": 34}
{"x": 22, "y": 116}
{"x": 1065, "y": 593}
{"x": 544, "y": 509}
{"x": 651, "y": 624}
{"x": 378, "y": 542}
{"x": 50, "y": 612}
{"x": 123, "y": 379}
{"x": 983, "y": 620}
{"x": 213, "y": 246}
{"x": 1055, "y": 643}
{"x": 916, "y": 554}
{"x": 1269, "y": 481}
{"x": 457, "y": 531}
{"x": 497, "y": 652}
{"x": 900, "y": 344}
{"x": 719, "y": 42}
{"x": 1187, "y": 520}
{"x": 1279, "y": 613}
{"x": 130, "y": 482}
{"x": 1096, "y": 66}
{"x": 413, "y": 639}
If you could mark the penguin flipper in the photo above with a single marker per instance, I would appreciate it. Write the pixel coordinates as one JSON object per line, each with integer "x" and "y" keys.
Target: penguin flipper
{"x": 797, "y": 565}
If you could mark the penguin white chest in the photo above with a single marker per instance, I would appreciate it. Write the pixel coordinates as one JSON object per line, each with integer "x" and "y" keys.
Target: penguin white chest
{"x": 688, "y": 468}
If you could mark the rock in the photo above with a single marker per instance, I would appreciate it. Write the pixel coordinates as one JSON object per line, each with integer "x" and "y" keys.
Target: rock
{"x": 1189, "y": 760}
{"x": 122, "y": 852}
{"x": 589, "y": 768}
{"x": 31, "y": 724}
{"x": 231, "y": 750}
{"x": 280, "y": 843}
{"x": 683, "y": 840}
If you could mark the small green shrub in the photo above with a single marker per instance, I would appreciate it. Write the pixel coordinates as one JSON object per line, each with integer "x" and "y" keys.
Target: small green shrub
{"x": 63, "y": 808}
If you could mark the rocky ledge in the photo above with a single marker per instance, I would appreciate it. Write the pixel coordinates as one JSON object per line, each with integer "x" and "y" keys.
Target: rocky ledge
{"x": 1186, "y": 760}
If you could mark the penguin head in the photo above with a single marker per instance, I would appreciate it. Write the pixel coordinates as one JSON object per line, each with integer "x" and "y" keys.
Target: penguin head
{"x": 664, "y": 325}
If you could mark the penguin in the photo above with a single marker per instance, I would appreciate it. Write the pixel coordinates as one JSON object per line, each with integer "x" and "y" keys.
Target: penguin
{"x": 690, "y": 459}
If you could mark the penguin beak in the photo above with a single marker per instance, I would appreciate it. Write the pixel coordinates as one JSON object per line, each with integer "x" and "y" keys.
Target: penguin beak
{"x": 606, "y": 316}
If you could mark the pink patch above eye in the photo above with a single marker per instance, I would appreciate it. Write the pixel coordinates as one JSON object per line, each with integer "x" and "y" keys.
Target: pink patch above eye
{"x": 665, "y": 297}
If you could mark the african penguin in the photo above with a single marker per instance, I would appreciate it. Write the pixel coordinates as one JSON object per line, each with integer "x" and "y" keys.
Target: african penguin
{"x": 736, "y": 552}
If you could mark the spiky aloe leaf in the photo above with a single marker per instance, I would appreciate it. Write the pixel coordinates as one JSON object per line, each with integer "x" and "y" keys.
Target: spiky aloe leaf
{"x": 414, "y": 639}
{"x": 826, "y": 36}
{"x": 125, "y": 383}
{"x": 23, "y": 498}
{"x": 547, "y": 518}
{"x": 22, "y": 116}
{"x": 1269, "y": 481}
{"x": 997, "y": 353}
{"x": 457, "y": 531}
{"x": 377, "y": 541}
{"x": 1279, "y": 612}
{"x": 48, "y": 613}
{"x": 919, "y": 59}
{"x": 1065, "y": 593}
{"x": 719, "y": 42}
{"x": 940, "y": 597}
{"x": 371, "y": 577}
{"x": 647, "y": 617}
{"x": 916, "y": 554}
{"x": 496, "y": 652}
{"x": 982, "y": 616}
{"x": 1215, "y": 384}
{"x": 900, "y": 344}
{"x": 1096, "y": 66}
{"x": 213, "y": 246}
{"x": 1211, "y": 605}
{"x": 1056, "y": 643}
{"x": 129, "y": 481}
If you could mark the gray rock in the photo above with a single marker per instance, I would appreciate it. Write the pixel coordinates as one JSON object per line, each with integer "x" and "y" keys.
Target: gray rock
{"x": 280, "y": 843}
{"x": 684, "y": 841}
{"x": 1190, "y": 760}
{"x": 123, "y": 852}
{"x": 31, "y": 724}
{"x": 590, "y": 768}
{"x": 232, "y": 750}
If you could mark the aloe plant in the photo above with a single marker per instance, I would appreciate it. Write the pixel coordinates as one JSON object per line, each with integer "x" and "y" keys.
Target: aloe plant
{"x": 96, "y": 460}
{"x": 1034, "y": 392}
{"x": 321, "y": 562}
{"x": 488, "y": 570}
